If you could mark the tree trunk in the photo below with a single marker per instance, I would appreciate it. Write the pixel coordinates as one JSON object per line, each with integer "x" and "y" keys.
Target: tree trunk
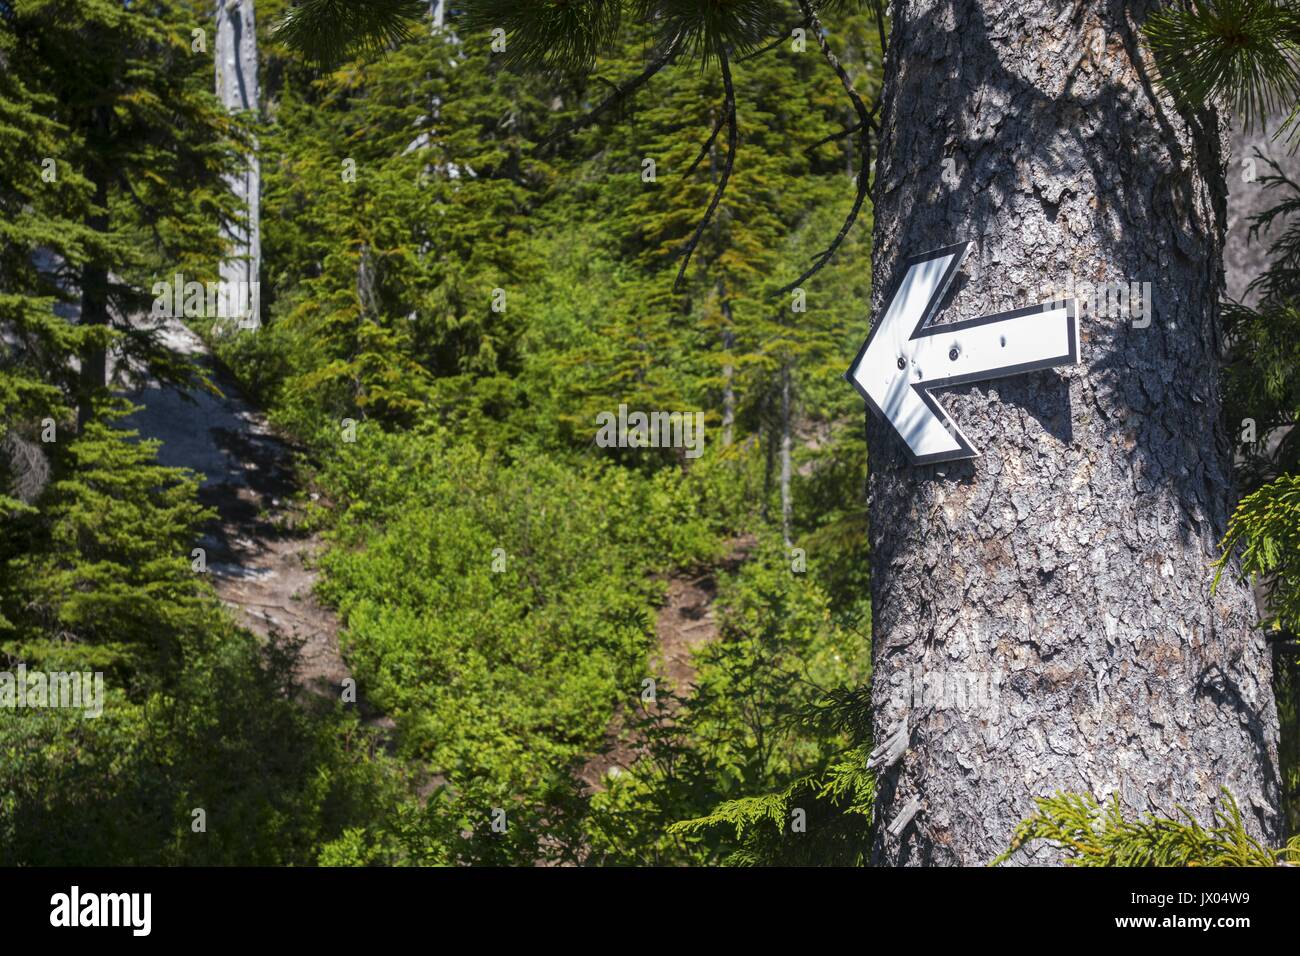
{"x": 787, "y": 506}
{"x": 94, "y": 281}
{"x": 769, "y": 451}
{"x": 236, "y": 80}
{"x": 728, "y": 373}
{"x": 1042, "y": 615}
{"x": 1243, "y": 260}
{"x": 728, "y": 324}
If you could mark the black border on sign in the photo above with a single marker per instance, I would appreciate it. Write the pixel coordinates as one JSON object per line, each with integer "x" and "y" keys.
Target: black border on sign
{"x": 923, "y": 389}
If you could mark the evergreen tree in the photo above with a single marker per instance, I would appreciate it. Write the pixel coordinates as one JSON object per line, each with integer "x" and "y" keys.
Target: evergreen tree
{"x": 43, "y": 204}
{"x": 112, "y": 152}
{"x": 140, "y": 125}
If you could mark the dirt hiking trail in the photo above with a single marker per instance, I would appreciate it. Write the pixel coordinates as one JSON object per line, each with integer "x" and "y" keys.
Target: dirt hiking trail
{"x": 258, "y": 557}
{"x": 684, "y": 623}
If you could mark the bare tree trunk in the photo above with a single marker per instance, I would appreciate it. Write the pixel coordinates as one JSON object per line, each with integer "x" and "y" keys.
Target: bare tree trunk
{"x": 769, "y": 448}
{"x": 1042, "y": 615}
{"x": 424, "y": 139}
{"x": 94, "y": 285}
{"x": 787, "y": 506}
{"x": 236, "y": 82}
{"x": 728, "y": 328}
{"x": 728, "y": 374}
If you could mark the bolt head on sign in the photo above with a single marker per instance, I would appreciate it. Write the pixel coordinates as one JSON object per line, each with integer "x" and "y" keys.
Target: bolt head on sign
{"x": 906, "y": 356}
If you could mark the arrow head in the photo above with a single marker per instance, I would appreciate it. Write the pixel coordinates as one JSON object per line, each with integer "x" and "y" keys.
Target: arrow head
{"x": 904, "y": 357}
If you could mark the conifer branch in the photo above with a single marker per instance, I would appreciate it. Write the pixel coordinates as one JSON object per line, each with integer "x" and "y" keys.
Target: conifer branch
{"x": 621, "y": 92}
{"x": 878, "y": 6}
{"x": 757, "y": 53}
{"x": 325, "y": 31}
{"x": 849, "y": 131}
{"x": 865, "y": 124}
{"x": 150, "y": 216}
{"x": 704, "y": 150}
{"x": 730, "y": 116}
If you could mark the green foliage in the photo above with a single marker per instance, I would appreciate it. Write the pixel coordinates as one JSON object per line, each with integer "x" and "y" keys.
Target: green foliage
{"x": 713, "y": 28}
{"x": 198, "y": 713}
{"x": 326, "y": 29}
{"x": 498, "y": 272}
{"x": 497, "y": 574}
{"x": 144, "y": 145}
{"x": 1263, "y": 367}
{"x": 1094, "y": 835}
{"x": 546, "y": 34}
{"x": 107, "y": 558}
{"x": 34, "y": 213}
{"x": 499, "y": 611}
{"x": 477, "y": 424}
{"x": 1286, "y": 686}
{"x": 383, "y": 287}
{"x": 1262, "y": 379}
{"x": 569, "y": 37}
{"x": 1244, "y": 51}
{"x": 560, "y": 36}
{"x": 277, "y": 781}
{"x": 113, "y": 150}
{"x": 758, "y": 763}
{"x": 1281, "y": 280}
{"x": 1265, "y": 531}
{"x": 833, "y": 810}
{"x": 499, "y": 680}
{"x": 823, "y": 818}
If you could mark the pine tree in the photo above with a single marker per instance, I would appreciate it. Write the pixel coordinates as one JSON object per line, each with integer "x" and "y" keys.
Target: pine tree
{"x": 377, "y": 211}
{"x": 110, "y": 560}
{"x": 43, "y": 203}
{"x": 142, "y": 127}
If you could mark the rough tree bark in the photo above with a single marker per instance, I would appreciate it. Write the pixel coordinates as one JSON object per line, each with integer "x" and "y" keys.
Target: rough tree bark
{"x": 1042, "y": 615}
{"x": 236, "y": 86}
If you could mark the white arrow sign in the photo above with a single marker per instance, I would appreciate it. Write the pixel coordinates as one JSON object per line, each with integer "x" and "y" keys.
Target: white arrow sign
{"x": 901, "y": 361}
